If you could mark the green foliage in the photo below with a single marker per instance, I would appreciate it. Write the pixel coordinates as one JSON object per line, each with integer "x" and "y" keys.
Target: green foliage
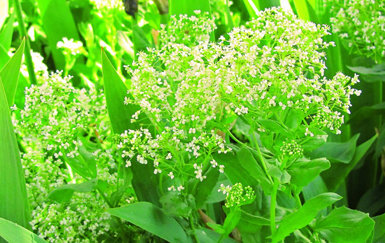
{"x": 12, "y": 232}
{"x": 218, "y": 125}
{"x": 152, "y": 219}
{"x": 13, "y": 196}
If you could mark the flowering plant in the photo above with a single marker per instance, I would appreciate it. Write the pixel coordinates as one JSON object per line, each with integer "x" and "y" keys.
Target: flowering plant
{"x": 256, "y": 102}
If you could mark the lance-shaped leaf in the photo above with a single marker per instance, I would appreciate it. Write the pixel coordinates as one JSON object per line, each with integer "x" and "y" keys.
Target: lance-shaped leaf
{"x": 10, "y": 73}
{"x": 304, "y": 215}
{"x": 152, "y": 219}
{"x": 13, "y": 194}
{"x": 13, "y": 233}
{"x": 120, "y": 115}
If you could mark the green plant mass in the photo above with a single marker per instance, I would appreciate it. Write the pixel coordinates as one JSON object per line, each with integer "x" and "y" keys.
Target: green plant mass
{"x": 192, "y": 121}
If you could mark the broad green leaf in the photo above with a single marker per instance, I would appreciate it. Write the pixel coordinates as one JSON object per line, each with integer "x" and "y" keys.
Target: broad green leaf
{"x": 338, "y": 171}
{"x": 173, "y": 204}
{"x": 14, "y": 233}
{"x": 3, "y": 11}
{"x": 120, "y": 117}
{"x": 152, "y": 219}
{"x": 64, "y": 193}
{"x": 204, "y": 188}
{"x": 10, "y": 74}
{"x": 13, "y": 194}
{"x": 84, "y": 164}
{"x": 209, "y": 236}
{"x": 139, "y": 38}
{"x": 337, "y": 152}
{"x": 373, "y": 200}
{"x": 370, "y": 74}
{"x": 242, "y": 167}
{"x": 379, "y": 229}
{"x": 345, "y": 225}
{"x": 304, "y": 215}
{"x": 178, "y": 7}
{"x": 251, "y": 223}
{"x": 304, "y": 171}
{"x": 57, "y": 23}
{"x": 274, "y": 126}
{"x": 6, "y": 33}
{"x": 314, "y": 188}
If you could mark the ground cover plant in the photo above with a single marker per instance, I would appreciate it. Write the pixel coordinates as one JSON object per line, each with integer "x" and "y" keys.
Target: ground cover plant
{"x": 166, "y": 121}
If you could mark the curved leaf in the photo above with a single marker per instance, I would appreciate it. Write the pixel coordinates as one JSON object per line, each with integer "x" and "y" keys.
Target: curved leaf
{"x": 152, "y": 219}
{"x": 14, "y": 233}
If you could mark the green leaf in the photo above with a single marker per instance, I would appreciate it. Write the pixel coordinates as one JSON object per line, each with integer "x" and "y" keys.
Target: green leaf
{"x": 84, "y": 164}
{"x": 205, "y": 187}
{"x": 252, "y": 7}
{"x": 337, "y": 152}
{"x": 379, "y": 229}
{"x": 14, "y": 233}
{"x": 305, "y": 10}
{"x": 338, "y": 172}
{"x": 370, "y": 74}
{"x": 57, "y": 23}
{"x": 178, "y": 7}
{"x": 209, "y": 236}
{"x": 274, "y": 126}
{"x": 10, "y": 74}
{"x": 120, "y": 117}
{"x": 304, "y": 215}
{"x": 314, "y": 188}
{"x": 116, "y": 91}
{"x": 152, "y": 219}
{"x": 304, "y": 171}
{"x": 251, "y": 223}
{"x": 13, "y": 194}
{"x": 242, "y": 167}
{"x": 64, "y": 193}
{"x": 345, "y": 225}
{"x": 6, "y": 33}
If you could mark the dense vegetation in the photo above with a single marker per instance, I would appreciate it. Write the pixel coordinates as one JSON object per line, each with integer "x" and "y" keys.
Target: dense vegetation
{"x": 192, "y": 121}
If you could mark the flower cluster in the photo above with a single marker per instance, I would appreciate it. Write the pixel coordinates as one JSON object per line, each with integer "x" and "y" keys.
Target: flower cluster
{"x": 237, "y": 195}
{"x": 361, "y": 23}
{"x": 110, "y": 4}
{"x": 70, "y": 46}
{"x": 57, "y": 119}
{"x": 193, "y": 89}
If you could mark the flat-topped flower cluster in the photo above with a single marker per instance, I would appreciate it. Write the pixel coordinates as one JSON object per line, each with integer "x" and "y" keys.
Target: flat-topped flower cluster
{"x": 193, "y": 90}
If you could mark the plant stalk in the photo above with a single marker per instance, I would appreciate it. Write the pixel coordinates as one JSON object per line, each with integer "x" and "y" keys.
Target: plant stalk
{"x": 27, "y": 51}
{"x": 273, "y": 204}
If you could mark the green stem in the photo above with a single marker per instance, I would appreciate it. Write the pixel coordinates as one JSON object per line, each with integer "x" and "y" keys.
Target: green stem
{"x": 273, "y": 203}
{"x": 27, "y": 51}
{"x": 193, "y": 229}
